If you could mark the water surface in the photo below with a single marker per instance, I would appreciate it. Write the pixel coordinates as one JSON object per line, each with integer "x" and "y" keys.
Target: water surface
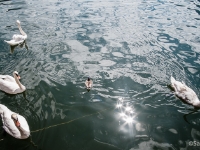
{"x": 129, "y": 49}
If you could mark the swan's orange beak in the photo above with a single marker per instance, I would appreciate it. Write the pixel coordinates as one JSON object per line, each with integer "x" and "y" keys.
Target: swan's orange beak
{"x": 18, "y": 77}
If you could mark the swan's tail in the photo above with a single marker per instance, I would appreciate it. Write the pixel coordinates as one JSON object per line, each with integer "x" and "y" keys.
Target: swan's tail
{"x": 9, "y": 42}
{"x": 13, "y": 42}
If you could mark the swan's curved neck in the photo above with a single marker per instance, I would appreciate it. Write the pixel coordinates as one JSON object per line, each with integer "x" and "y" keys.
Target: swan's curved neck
{"x": 17, "y": 81}
{"x": 20, "y": 29}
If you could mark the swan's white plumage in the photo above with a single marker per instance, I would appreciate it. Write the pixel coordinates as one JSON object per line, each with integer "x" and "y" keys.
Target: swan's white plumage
{"x": 7, "y": 78}
{"x": 17, "y": 38}
{"x": 9, "y": 126}
{"x": 11, "y": 85}
{"x": 185, "y": 93}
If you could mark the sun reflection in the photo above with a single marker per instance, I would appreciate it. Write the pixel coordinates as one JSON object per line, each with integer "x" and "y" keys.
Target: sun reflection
{"x": 128, "y": 108}
{"x": 129, "y": 119}
{"x": 119, "y": 105}
{"x": 127, "y": 116}
{"x": 122, "y": 114}
{"x": 126, "y": 111}
{"x": 121, "y": 99}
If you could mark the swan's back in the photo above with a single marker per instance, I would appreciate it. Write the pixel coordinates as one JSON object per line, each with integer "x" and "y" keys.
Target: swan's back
{"x": 184, "y": 92}
{"x": 9, "y": 125}
{"x": 7, "y": 78}
{"x": 9, "y": 86}
{"x": 19, "y": 38}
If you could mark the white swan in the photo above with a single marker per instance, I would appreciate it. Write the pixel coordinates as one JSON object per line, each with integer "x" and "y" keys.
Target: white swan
{"x": 11, "y": 85}
{"x": 17, "y": 39}
{"x": 88, "y": 83}
{"x": 14, "y": 124}
{"x": 185, "y": 93}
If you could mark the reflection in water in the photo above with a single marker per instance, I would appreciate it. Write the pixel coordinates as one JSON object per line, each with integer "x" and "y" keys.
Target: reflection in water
{"x": 24, "y": 44}
{"x": 184, "y": 116}
{"x": 126, "y": 111}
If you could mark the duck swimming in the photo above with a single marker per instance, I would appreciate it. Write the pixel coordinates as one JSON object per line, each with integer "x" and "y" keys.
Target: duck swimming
{"x": 17, "y": 38}
{"x": 88, "y": 84}
{"x": 185, "y": 93}
{"x": 11, "y": 85}
{"x": 14, "y": 124}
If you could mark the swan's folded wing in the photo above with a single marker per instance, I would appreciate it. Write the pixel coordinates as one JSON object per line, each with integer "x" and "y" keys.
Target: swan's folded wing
{"x": 23, "y": 123}
{"x": 7, "y": 78}
{"x": 180, "y": 87}
{"x": 13, "y": 42}
{"x": 18, "y": 38}
{"x": 25, "y": 133}
{"x": 9, "y": 126}
{"x": 8, "y": 87}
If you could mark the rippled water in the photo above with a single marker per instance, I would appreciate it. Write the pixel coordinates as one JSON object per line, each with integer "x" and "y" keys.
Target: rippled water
{"x": 129, "y": 48}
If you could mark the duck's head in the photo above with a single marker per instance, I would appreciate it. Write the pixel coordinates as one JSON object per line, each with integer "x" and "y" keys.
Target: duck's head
{"x": 15, "y": 73}
{"x": 15, "y": 119}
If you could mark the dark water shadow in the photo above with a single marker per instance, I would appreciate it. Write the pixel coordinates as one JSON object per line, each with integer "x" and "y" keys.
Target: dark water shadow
{"x": 192, "y": 112}
{"x": 19, "y": 144}
{"x": 13, "y": 95}
{"x": 23, "y": 103}
{"x": 1, "y": 2}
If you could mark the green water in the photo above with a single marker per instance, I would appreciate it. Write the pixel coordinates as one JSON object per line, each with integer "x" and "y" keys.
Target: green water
{"x": 129, "y": 49}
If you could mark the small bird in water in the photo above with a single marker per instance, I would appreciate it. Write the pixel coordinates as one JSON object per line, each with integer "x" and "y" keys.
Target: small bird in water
{"x": 88, "y": 84}
{"x": 185, "y": 93}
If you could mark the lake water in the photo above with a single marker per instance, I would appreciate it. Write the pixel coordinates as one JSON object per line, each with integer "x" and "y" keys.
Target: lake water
{"x": 129, "y": 48}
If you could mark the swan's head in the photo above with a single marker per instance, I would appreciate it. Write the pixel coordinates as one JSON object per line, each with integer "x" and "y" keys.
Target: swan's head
{"x": 18, "y": 22}
{"x": 15, "y": 119}
{"x": 15, "y": 73}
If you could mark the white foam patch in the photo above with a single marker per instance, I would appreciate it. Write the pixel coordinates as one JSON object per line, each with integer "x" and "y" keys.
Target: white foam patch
{"x": 173, "y": 131}
{"x": 151, "y": 145}
{"x": 139, "y": 127}
{"x": 104, "y": 50}
{"x": 106, "y": 63}
{"x": 76, "y": 45}
{"x": 66, "y": 56}
{"x": 118, "y": 54}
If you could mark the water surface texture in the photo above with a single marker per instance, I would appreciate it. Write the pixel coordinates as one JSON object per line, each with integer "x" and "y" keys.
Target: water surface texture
{"x": 129, "y": 48}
